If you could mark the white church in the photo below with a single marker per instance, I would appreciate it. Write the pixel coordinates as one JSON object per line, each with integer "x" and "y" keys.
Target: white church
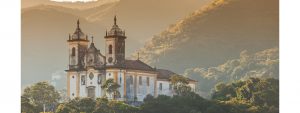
{"x": 89, "y": 68}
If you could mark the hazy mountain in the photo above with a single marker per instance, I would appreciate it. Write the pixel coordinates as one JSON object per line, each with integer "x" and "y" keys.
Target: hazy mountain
{"x": 263, "y": 64}
{"x": 76, "y": 5}
{"x": 46, "y": 26}
{"x": 214, "y": 34}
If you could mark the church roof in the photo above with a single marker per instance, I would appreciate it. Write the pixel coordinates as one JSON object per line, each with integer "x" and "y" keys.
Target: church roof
{"x": 167, "y": 74}
{"x": 164, "y": 74}
{"x": 137, "y": 65}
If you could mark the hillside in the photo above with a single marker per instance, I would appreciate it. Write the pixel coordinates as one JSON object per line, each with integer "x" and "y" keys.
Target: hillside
{"x": 46, "y": 26}
{"x": 214, "y": 34}
{"x": 262, "y": 64}
{"x": 73, "y": 5}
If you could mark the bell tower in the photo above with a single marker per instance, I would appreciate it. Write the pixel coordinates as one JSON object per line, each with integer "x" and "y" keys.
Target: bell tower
{"x": 78, "y": 44}
{"x": 115, "y": 45}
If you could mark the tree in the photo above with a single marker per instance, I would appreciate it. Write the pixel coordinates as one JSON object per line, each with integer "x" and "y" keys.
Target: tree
{"x": 105, "y": 106}
{"x": 223, "y": 92}
{"x": 77, "y": 105}
{"x": 62, "y": 108}
{"x": 111, "y": 88}
{"x": 26, "y": 106}
{"x": 86, "y": 105}
{"x": 188, "y": 103}
{"x": 254, "y": 95}
{"x": 41, "y": 93}
{"x": 180, "y": 84}
{"x": 101, "y": 106}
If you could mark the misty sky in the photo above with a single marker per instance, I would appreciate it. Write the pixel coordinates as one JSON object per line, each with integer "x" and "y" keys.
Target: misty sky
{"x": 46, "y": 25}
{"x": 74, "y": 0}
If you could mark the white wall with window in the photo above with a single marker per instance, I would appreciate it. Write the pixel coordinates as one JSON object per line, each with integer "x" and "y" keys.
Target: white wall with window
{"x": 163, "y": 87}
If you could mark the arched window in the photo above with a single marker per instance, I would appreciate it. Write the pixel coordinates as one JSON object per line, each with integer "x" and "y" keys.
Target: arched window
{"x": 110, "y": 49}
{"x": 73, "y": 51}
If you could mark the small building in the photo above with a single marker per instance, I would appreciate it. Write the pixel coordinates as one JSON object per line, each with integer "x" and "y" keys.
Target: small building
{"x": 89, "y": 68}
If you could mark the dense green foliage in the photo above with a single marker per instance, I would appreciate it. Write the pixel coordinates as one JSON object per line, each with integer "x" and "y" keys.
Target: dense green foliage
{"x": 189, "y": 103}
{"x": 26, "y": 106}
{"x": 37, "y": 95}
{"x": 262, "y": 64}
{"x": 100, "y": 105}
{"x": 253, "y": 95}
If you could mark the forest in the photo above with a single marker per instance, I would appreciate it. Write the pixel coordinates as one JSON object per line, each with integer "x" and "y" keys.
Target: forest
{"x": 254, "y": 95}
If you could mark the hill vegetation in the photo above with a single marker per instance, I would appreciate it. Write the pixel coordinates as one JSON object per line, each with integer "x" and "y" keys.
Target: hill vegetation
{"x": 213, "y": 34}
{"x": 262, "y": 64}
{"x": 253, "y": 95}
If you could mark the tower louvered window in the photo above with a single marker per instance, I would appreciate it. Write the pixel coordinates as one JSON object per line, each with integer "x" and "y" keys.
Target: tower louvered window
{"x": 73, "y": 51}
{"x": 110, "y": 49}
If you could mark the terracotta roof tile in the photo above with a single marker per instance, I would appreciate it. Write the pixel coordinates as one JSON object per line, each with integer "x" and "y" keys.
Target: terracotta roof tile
{"x": 166, "y": 74}
{"x": 137, "y": 65}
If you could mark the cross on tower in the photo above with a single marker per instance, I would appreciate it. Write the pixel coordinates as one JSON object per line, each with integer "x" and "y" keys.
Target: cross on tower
{"x": 92, "y": 39}
{"x": 115, "y": 20}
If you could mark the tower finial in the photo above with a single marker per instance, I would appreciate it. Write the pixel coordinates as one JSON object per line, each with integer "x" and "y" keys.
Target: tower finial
{"x": 92, "y": 39}
{"x": 78, "y": 23}
{"x": 138, "y": 56}
{"x": 115, "y": 20}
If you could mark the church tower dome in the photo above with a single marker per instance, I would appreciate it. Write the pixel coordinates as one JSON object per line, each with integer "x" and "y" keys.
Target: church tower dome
{"x": 115, "y": 30}
{"x": 78, "y": 34}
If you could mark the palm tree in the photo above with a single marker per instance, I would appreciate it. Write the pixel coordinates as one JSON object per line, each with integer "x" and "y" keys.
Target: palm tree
{"x": 111, "y": 88}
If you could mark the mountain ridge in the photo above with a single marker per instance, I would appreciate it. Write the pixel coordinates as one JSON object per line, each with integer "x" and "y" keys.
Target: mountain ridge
{"x": 45, "y": 30}
{"x": 214, "y": 34}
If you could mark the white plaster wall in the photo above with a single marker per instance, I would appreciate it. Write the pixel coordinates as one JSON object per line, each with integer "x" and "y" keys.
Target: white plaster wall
{"x": 165, "y": 88}
{"x": 143, "y": 90}
{"x": 109, "y": 74}
{"x": 151, "y": 88}
{"x": 73, "y": 85}
{"x": 121, "y": 83}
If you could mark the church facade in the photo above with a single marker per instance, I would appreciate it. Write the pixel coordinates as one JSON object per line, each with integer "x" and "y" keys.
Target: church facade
{"x": 89, "y": 68}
